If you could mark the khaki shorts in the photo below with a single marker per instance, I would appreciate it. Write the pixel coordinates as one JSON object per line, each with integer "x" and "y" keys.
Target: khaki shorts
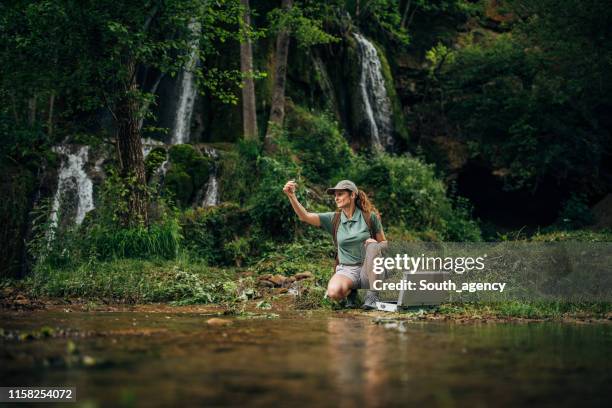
{"x": 353, "y": 272}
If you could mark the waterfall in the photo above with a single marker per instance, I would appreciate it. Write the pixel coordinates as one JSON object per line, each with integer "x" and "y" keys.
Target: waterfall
{"x": 149, "y": 144}
{"x": 73, "y": 176}
{"x": 211, "y": 196}
{"x": 187, "y": 90}
{"x": 377, "y": 106}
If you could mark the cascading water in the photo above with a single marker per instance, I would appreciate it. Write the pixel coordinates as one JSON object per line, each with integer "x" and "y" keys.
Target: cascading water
{"x": 149, "y": 144}
{"x": 187, "y": 91}
{"x": 73, "y": 176}
{"x": 211, "y": 197}
{"x": 377, "y": 106}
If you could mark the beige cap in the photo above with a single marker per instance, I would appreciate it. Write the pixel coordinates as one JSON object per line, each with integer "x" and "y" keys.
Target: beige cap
{"x": 343, "y": 185}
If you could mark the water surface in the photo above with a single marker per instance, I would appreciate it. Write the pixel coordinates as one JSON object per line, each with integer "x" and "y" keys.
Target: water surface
{"x": 315, "y": 359}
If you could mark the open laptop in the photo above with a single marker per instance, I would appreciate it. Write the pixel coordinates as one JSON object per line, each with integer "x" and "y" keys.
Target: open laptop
{"x": 415, "y": 298}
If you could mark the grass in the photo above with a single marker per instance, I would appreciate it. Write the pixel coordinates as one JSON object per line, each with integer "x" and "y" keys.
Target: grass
{"x": 528, "y": 310}
{"x": 136, "y": 281}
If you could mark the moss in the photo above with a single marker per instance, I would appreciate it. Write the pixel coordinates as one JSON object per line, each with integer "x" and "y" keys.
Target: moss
{"x": 180, "y": 184}
{"x": 199, "y": 169}
{"x": 182, "y": 154}
{"x": 399, "y": 125}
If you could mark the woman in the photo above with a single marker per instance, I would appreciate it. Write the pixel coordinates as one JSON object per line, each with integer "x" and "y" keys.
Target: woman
{"x": 351, "y": 232}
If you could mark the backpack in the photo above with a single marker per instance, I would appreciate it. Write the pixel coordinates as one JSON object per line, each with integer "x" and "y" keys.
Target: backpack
{"x": 336, "y": 224}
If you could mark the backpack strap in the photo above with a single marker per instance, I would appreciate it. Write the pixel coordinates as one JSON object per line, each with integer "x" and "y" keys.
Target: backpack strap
{"x": 335, "y": 225}
{"x": 368, "y": 219}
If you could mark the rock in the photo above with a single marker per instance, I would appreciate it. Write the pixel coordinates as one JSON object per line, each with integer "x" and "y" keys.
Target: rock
{"x": 265, "y": 284}
{"x": 21, "y": 300}
{"x": 215, "y": 321}
{"x": 288, "y": 282}
{"x": 278, "y": 280}
{"x": 303, "y": 275}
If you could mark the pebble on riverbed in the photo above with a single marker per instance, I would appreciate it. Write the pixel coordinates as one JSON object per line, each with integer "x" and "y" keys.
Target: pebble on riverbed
{"x": 215, "y": 321}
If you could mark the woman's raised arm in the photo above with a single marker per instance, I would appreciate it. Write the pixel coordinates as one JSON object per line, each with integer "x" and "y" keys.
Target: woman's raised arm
{"x": 303, "y": 215}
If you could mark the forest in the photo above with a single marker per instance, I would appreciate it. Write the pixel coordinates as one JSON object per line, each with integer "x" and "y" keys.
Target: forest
{"x": 145, "y": 144}
{"x": 151, "y": 248}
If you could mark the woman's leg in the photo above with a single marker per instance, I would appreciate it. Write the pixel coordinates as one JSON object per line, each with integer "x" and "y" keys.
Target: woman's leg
{"x": 339, "y": 287}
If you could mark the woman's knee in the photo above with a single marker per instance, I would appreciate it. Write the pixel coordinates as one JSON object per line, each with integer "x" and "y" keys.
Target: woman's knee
{"x": 338, "y": 290}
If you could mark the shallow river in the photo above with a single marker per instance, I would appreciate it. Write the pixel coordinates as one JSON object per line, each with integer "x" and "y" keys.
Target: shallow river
{"x": 316, "y": 359}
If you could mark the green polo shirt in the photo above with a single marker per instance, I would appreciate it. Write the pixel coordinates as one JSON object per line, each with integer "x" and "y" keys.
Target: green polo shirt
{"x": 351, "y": 234}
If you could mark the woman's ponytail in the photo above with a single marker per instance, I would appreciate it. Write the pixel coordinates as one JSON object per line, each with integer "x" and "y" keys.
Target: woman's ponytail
{"x": 364, "y": 203}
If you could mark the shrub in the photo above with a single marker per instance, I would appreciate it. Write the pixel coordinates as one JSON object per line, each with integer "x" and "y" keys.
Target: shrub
{"x": 189, "y": 171}
{"x": 269, "y": 206}
{"x": 154, "y": 159}
{"x": 157, "y": 240}
{"x": 208, "y": 232}
{"x": 318, "y": 143}
{"x": 237, "y": 171}
{"x": 575, "y": 213}
{"x": 408, "y": 194}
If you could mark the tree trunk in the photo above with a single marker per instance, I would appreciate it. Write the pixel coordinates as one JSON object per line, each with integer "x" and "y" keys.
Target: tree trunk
{"x": 277, "y": 111}
{"x": 32, "y": 110}
{"x": 249, "y": 114}
{"x": 50, "y": 118}
{"x": 129, "y": 151}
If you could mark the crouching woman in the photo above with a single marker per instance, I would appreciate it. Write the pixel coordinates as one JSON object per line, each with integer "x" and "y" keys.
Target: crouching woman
{"x": 358, "y": 237}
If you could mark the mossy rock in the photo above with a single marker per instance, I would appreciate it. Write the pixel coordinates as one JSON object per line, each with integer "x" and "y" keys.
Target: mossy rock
{"x": 182, "y": 154}
{"x": 199, "y": 169}
{"x": 180, "y": 184}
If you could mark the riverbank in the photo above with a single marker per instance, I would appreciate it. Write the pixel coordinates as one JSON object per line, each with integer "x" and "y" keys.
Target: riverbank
{"x": 275, "y": 285}
{"x": 275, "y": 303}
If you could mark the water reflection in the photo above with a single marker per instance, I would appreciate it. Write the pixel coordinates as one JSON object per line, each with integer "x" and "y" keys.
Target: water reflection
{"x": 317, "y": 360}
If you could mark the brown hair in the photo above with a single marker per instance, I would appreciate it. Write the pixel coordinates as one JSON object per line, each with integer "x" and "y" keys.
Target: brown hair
{"x": 364, "y": 203}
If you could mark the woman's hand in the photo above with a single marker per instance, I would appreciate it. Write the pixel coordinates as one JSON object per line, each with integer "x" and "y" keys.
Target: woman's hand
{"x": 290, "y": 187}
{"x": 369, "y": 241}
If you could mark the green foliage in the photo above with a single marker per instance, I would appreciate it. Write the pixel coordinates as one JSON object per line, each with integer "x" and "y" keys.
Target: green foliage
{"x": 531, "y": 102}
{"x": 237, "y": 170}
{"x": 209, "y": 233}
{"x": 154, "y": 159}
{"x": 408, "y": 194}
{"x": 316, "y": 140}
{"x": 102, "y": 236}
{"x": 157, "y": 240}
{"x": 268, "y": 205}
{"x": 180, "y": 185}
{"x": 238, "y": 249}
{"x": 305, "y": 22}
{"x": 135, "y": 281}
{"x": 576, "y": 213}
{"x": 313, "y": 255}
{"x": 576, "y": 235}
{"x": 188, "y": 172}
{"x": 16, "y": 185}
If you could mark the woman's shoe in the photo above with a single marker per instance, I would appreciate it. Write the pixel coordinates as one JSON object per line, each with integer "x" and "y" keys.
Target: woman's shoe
{"x": 351, "y": 300}
{"x": 371, "y": 297}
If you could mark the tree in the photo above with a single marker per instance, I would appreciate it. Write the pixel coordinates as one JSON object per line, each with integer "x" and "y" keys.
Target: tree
{"x": 249, "y": 113}
{"x": 111, "y": 54}
{"x": 277, "y": 109}
{"x": 304, "y": 22}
